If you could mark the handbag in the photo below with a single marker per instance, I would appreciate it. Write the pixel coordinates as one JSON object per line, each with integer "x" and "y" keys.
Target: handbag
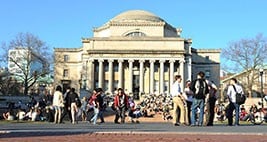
{"x": 240, "y": 98}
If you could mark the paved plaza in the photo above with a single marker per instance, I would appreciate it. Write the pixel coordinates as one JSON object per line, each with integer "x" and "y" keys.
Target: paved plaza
{"x": 146, "y": 131}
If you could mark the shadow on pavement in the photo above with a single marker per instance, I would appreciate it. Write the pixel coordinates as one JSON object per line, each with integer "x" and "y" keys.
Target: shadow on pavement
{"x": 39, "y": 134}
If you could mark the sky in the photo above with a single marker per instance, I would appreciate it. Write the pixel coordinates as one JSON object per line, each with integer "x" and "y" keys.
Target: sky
{"x": 211, "y": 24}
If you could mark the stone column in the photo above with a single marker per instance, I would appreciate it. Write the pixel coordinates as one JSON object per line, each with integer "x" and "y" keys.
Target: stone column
{"x": 130, "y": 87}
{"x": 90, "y": 74}
{"x": 182, "y": 72}
{"x": 100, "y": 73}
{"x": 141, "y": 76}
{"x": 110, "y": 73}
{"x": 151, "y": 76}
{"x": 189, "y": 68}
{"x": 171, "y": 73}
{"x": 161, "y": 78}
{"x": 120, "y": 73}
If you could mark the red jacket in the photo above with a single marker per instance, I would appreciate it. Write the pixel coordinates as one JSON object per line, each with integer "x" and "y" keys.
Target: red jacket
{"x": 116, "y": 101}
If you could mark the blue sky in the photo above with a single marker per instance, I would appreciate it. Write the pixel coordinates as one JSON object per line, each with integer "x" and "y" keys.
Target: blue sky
{"x": 62, "y": 23}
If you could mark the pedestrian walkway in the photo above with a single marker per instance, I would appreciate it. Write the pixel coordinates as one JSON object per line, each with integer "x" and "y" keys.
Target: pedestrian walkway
{"x": 138, "y": 137}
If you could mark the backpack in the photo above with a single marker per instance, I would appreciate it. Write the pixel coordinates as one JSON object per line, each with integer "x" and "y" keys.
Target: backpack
{"x": 200, "y": 89}
{"x": 240, "y": 98}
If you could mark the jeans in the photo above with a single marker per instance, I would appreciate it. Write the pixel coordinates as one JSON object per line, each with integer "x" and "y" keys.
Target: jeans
{"x": 96, "y": 113}
{"x": 197, "y": 103}
{"x": 189, "y": 106}
{"x": 232, "y": 107}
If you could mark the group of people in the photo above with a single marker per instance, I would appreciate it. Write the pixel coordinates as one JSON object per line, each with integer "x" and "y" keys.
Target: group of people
{"x": 123, "y": 103}
{"x": 65, "y": 104}
{"x": 95, "y": 102}
{"x": 190, "y": 103}
{"x": 198, "y": 98}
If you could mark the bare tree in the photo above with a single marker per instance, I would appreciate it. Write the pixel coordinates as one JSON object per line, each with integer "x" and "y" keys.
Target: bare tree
{"x": 247, "y": 55}
{"x": 31, "y": 58}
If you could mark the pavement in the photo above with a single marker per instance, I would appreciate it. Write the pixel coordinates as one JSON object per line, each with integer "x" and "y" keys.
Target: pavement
{"x": 148, "y": 130}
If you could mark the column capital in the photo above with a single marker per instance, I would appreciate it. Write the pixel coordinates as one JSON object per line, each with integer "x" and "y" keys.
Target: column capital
{"x": 171, "y": 60}
{"x": 130, "y": 60}
{"x": 120, "y": 60}
{"x": 110, "y": 60}
{"x": 152, "y": 61}
{"x": 162, "y": 61}
{"x": 181, "y": 61}
{"x": 141, "y": 61}
{"x": 100, "y": 60}
{"x": 90, "y": 60}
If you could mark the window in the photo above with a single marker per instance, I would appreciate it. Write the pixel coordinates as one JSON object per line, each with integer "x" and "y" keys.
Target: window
{"x": 106, "y": 67}
{"x": 116, "y": 67}
{"x": 135, "y": 34}
{"x": 207, "y": 74}
{"x": 116, "y": 83}
{"x": 166, "y": 68}
{"x": 66, "y": 58}
{"x": 263, "y": 77}
{"x": 19, "y": 71}
{"x": 11, "y": 65}
{"x": 65, "y": 73}
{"x": 106, "y": 85}
{"x": 207, "y": 57}
{"x": 166, "y": 86}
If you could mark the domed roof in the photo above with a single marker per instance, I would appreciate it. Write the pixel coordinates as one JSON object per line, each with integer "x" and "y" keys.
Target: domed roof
{"x": 136, "y": 15}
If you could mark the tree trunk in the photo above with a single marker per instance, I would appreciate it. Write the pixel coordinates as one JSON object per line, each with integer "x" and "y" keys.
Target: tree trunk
{"x": 25, "y": 88}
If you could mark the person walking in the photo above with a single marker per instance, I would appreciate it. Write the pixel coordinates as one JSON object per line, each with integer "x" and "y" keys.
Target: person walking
{"x": 232, "y": 89}
{"x": 58, "y": 104}
{"x": 66, "y": 111}
{"x": 179, "y": 103}
{"x": 84, "y": 108}
{"x": 210, "y": 104}
{"x": 121, "y": 105}
{"x": 188, "y": 95}
{"x": 200, "y": 90}
{"x": 73, "y": 96}
{"x": 98, "y": 106}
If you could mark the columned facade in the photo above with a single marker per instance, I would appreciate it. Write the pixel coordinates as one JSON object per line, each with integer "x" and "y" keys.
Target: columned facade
{"x": 137, "y": 51}
{"x": 125, "y": 74}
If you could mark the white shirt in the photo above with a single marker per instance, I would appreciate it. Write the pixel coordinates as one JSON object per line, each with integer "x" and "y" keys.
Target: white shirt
{"x": 21, "y": 115}
{"x": 58, "y": 99}
{"x": 188, "y": 94}
{"x": 175, "y": 89}
{"x": 231, "y": 93}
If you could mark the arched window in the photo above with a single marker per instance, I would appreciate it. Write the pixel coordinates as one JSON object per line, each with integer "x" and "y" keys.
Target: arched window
{"x": 135, "y": 34}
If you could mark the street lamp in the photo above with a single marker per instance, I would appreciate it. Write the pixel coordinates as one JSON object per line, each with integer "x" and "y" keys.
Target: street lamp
{"x": 261, "y": 75}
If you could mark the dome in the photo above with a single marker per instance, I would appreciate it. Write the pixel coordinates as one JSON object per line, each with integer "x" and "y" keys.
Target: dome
{"x": 136, "y": 15}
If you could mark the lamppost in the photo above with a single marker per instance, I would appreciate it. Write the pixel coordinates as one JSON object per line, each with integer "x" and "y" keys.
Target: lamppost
{"x": 261, "y": 75}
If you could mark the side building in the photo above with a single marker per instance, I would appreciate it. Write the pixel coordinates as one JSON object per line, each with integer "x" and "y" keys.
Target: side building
{"x": 27, "y": 67}
{"x": 136, "y": 50}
